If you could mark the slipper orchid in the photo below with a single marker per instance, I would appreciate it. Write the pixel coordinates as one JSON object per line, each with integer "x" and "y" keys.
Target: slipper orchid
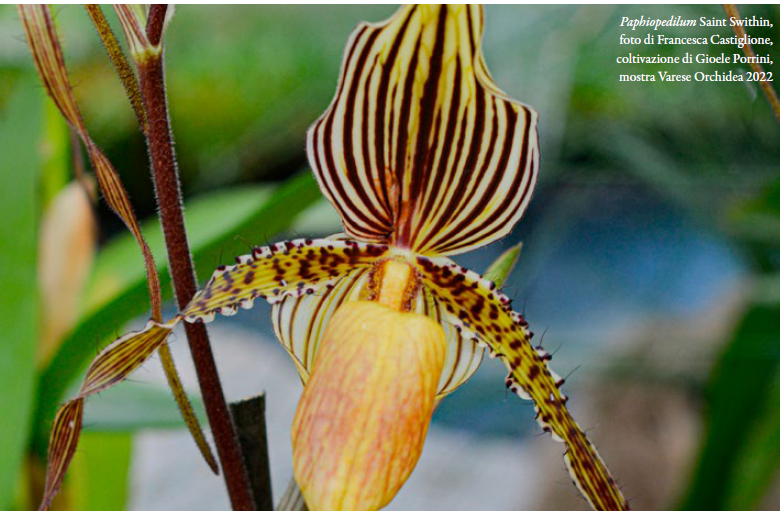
{"x": 423, "y": 157}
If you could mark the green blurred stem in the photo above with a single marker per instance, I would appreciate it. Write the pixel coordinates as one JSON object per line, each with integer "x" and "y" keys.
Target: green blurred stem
{"x": 166, "y": 180}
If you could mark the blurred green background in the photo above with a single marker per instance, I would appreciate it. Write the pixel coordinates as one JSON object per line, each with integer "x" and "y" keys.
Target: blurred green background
{"x": 650, "y": 255}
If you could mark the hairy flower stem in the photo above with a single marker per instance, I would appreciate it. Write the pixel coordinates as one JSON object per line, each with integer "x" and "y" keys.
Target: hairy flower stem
{"x": 166, "y": 181}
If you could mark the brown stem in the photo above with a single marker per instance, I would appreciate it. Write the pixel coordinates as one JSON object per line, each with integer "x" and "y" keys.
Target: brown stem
{"x": 156, "y": 22}
{"x": 769, "y": 92}
{"x": 166, "y": 182}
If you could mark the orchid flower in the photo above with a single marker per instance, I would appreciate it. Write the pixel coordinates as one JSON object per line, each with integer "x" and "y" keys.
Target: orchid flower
{"x": 424, "y": 157}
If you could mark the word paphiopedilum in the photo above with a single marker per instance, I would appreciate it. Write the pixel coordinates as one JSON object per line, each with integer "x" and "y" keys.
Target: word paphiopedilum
{"x": 423, "y": 157}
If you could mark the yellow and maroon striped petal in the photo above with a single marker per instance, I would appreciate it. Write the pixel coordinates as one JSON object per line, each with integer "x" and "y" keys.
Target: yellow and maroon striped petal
{"x": 464, "y": 354}
{"x": 114, "y": 363}
{"x": 475, "y": 307}
{"x": 419, "y": 148}
{"x": 63, "y": 440}
{"x": 111, "y": 366}
{"x": 300, "y": 322}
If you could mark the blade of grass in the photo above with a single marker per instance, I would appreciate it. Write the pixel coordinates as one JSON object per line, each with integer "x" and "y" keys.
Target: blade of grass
{"x": 739, "y": 391}
{"x": 19, "y": 132}
{"x": 757, "y": 465}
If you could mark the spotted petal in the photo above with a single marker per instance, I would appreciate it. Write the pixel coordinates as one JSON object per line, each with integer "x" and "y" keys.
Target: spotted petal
{"x": 290, "y": 268}
{"x": 475, "y": 307}
{"x": 419, "y": 148}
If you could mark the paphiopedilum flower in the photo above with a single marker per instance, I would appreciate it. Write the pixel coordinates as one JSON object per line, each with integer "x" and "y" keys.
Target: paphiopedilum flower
{"x": 424, "y": 157}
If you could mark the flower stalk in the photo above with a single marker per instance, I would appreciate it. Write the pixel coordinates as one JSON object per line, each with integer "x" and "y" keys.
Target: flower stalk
{"x": 166, "y": 180}
{"x": 132, "y": 89}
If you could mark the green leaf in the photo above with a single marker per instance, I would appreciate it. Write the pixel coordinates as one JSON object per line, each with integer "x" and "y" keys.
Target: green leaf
{"x": 19, "y": 139}
{"x": 502, "y": 267}
{"x": 758, "y": 218}
{"x": 758, "y": 463}
{"x": 740, "y": 393}
{"x": 56, "y": 155}
{"x": 131, "y": 406}
{"x": 99, "y": 474}
{"x": 219, "y": 229}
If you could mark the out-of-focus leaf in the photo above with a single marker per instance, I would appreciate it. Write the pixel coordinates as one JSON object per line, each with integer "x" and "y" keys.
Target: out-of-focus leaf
{"x": 758, "y": 219}
{"x": 500, "y": 269}
{"x": 758, "y": 463}
{"x": 55, "y": 154}
{"x": 216, "y": 234}
{"x": 99, "y": 474}
{"x": 321, "y": 219}
{"x": 133, "y": 406}
{"x": 19, "y": 131}
{"x": 739, "y": 394}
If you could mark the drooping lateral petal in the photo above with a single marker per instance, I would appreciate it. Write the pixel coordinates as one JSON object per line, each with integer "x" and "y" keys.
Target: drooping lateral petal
{"x": 475, "y": 307}
{"x": 300, "y": 322}
{"x": 50, "y": 63}
{"x": 290, "y": 268}
{"x": 419, "y": 148}
{"x": 114, "y": 363}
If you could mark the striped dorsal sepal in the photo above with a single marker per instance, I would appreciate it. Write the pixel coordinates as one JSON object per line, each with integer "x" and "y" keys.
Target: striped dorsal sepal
{"x": 474, "y": 306}
{"x": 290, "y": 268}
{"x": 419, "y": 148}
